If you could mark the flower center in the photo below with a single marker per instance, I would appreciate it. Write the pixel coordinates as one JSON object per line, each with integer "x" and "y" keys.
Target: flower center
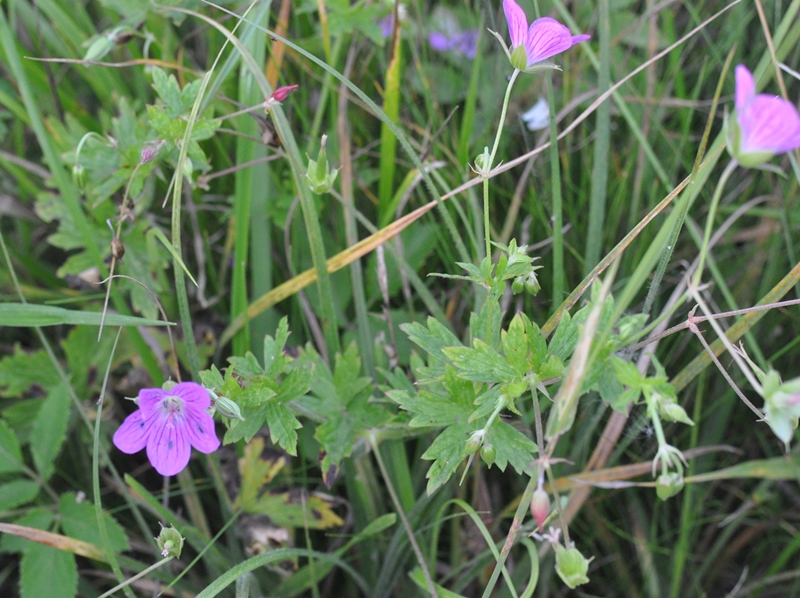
{"x": 172, "y": 408}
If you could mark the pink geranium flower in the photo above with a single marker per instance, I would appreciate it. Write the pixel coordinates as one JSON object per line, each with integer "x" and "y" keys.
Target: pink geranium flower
{"x": 763, "y": 125}
{"x": 530, "y": 46}
{"x": 169, "y": 423}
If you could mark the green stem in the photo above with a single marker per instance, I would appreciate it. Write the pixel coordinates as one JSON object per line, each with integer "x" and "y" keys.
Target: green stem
{"x": 152, "y": 567}
{"x": 98, "y": 503}
{"x": 712, "y": 211}
{"x": 488, "y": 167}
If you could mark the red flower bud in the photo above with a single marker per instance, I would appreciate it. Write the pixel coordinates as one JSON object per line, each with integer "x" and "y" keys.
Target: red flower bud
{"x": 282, "y": 93}
{"x": 540, "y": 506}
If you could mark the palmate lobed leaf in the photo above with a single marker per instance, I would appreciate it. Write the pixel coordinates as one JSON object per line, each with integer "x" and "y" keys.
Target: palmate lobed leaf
{"x": 482, "y": 363}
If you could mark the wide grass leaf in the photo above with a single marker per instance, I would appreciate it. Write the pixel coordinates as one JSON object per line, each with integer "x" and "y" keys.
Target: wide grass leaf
{"x": 27, "y": 314}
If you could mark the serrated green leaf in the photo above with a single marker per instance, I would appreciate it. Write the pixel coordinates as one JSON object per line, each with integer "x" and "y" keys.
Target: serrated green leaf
{"x": 46, "y": 571}
{"x": 247, "y": 366}
{"x": 512, "y": 446}
{"x": 17, "y": 492}
{"x": 275, "y": 360}
{"x": 212, "y": 378}
{"x": 20, "y": 371}
{"x": 433, "y": 409}
{"x": 487, "y": 319}
{"x": 446, "y": 452}
{"x": 482, "y": 363}
{"x": 537, "y": 343}
{"x": 245, "y": 430}
{"x": 28, "y": 314}
{"x": 79, "y": 521}
{"x": 36, "y": 518}
{"x": 163, "y": 125}
{"x": 626, "y": 372}
{"x": 260, "y": 390}
{"x": 515, "y": 345}
{"x": 552, "y": 368}
{"x": 204, "y": 128}
{"x": 294, "y": 385}
{"x": 50, "y": 430}
{"x": 564, "y": 338}
{"x": 10, "y": 451}
{"x": 433, "y": 338}
{"x": 611, "y": 390}
{"x": 169, "y": 92}
{"x": 282, "y": 425}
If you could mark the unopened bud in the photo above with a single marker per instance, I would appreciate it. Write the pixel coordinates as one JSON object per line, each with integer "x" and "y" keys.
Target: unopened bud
{"x": 320, "y": 177}
{"x": 488, "y": 454}
{"x": 518, "y": 285}
{"x": 150, "y": 151}
{"x": 532, "y": 286}
{"x": 669, "y": 484}
{"x": 278, "y": 96}
{"x": 79, "y": 176}
{"x": 540, "y": 506}
{"x": 483, "y": 162}
{"x": 227, "y": 408}
{"x": 474, "y": 443}
{"x": 571, "y": 566}
{"x": 674, "y": 413}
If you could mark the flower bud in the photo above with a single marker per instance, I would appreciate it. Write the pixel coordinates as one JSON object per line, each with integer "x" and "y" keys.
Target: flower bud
{"x": 532, "y": 286}
{"x": 518, "y": 285}
{"x": 571, "y": 566}
{"x": 488, "y": 454}
{"x": 79, "y": 176}
{"x": 282, "y": 93}
{"x": 278, "y": 96}
{"x": 669, "y": 484}
{"x": 540, "y": 506}
{"x": 150, "y": 151}
{"x": 483, "y": 162}
{"x": 320, "y": 177}
{"x": 170, "y": 542}
{"x": 227, "y": 408}
{"x": 675, "y": 413}
{"x": 474, "y": 443}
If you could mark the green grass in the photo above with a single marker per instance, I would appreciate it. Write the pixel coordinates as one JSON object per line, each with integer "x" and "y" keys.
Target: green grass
{"x": 616, "y": 191}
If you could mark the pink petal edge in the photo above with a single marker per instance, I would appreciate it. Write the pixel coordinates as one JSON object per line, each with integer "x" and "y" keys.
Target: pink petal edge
{"x": 546, "y": 37}
{"x": 745, "y": 87}
{"x": 517, "y": 22}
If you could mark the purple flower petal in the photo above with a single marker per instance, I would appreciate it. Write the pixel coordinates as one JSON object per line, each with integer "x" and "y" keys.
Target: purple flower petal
{"x": 167, "y": 447}
{"x": 467, "y": 43}
{"x": 745, "y": 87}
{"x": 131, "y": 436}
{"x": 769, "y": 124}
{"x": 517, "y": 22}
{"x": 765, "y": 125}
{"x": 192, "y": 394}
{"x": 546, "y": 37}
{"x": 149, "y": 399}
{"x": 199, "y": 430}
{"x": 168, "y": 423}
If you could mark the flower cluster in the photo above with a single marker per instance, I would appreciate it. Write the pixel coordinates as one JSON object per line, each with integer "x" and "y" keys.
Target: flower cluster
{"x": 168, "y": 423}
{"x": 464, "y": 43}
